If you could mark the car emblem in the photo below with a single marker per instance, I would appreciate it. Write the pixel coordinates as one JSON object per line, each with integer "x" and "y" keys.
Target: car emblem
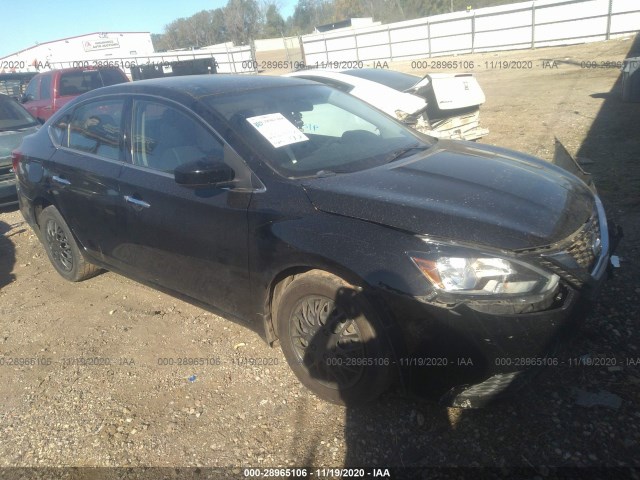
{"x": 596, "y": 244}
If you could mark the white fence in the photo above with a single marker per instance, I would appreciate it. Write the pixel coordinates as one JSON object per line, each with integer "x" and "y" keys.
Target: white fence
{"x": 228, "y": 59}
{"x": 270, "y": 44}
{"x": 531, "y": 24}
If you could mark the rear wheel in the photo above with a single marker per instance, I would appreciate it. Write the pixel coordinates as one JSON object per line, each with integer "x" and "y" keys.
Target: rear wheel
{"x": 333, "y": 339}
{"x": 62, "y": 248}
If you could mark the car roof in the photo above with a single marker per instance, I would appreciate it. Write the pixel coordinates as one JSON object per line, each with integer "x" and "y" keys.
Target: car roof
{"x": 391, "y": 78}
{"x": 364, "y": 77}
{"x": 198, "y": 86}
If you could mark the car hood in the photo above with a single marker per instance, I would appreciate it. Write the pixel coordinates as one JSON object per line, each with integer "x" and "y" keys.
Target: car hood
{"x": 10, "y": 140}
{"x": 463, "y": 192}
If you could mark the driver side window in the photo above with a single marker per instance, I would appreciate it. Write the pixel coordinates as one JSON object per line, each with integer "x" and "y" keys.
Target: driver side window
{"x": 164, "y": 137}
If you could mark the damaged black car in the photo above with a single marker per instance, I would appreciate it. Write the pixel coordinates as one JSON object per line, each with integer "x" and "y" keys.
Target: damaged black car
{"x": 373, "y": 254}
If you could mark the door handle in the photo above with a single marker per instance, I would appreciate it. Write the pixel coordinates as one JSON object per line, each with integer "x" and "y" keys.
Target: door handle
{"x": 136, "y": 202}
{"x": 60, "y": 181}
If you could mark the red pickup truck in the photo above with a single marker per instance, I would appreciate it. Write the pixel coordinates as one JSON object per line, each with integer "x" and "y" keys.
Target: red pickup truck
{"x": 48, "y": 91}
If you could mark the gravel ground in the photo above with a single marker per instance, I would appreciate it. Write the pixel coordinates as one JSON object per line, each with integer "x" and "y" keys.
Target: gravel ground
{"x": 228, "y": 413}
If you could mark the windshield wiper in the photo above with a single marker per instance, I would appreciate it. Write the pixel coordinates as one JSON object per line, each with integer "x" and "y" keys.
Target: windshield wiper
{"x": 396, "y": 154}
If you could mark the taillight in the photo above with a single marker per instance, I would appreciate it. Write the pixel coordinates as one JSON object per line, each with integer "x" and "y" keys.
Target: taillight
{"x": 16, "y": 156}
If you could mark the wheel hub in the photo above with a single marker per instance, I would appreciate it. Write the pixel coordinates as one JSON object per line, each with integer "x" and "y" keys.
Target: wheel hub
{"x": 327, "y": 342}
{"x": 59, "y": 246}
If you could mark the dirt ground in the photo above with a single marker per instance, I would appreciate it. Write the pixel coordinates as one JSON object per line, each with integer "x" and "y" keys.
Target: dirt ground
{"x": 137, "y": 412}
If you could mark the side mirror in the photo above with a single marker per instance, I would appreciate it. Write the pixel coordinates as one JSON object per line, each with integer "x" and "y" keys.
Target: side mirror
{"x": 204, "y": 173}
{"x": 27, "y": 98}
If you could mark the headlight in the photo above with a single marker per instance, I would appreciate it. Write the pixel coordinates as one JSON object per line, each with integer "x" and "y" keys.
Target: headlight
{"x": 464, "y": 271}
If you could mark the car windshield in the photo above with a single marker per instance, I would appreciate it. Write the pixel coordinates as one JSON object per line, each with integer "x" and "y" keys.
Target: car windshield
{"x": 13, "y": 116}
{"x": 314, "y": 130}
{"x": 396, "y": 80}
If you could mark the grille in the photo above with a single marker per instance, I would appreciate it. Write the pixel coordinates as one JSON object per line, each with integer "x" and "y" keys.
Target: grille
{"x": 580, "y": 250}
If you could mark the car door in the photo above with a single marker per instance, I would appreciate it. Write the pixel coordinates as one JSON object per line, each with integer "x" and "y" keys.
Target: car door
{"x": 83, "y": 173}
{"x": 44, "y": 105}
{"x": 191, "y": 240}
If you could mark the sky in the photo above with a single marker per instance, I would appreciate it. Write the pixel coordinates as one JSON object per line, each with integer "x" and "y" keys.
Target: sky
{"x": 70, "y": 18}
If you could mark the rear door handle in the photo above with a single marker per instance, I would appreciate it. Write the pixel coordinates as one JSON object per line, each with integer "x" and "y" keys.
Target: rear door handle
{"x": 137, "y": 202}
{"x": 60, "y": 181}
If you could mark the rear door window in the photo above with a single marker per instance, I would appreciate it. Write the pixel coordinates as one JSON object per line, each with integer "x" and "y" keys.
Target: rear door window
{"x": 95, "y": 128}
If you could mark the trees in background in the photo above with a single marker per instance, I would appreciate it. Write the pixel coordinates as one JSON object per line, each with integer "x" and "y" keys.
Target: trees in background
{"x": 242, "y": 21}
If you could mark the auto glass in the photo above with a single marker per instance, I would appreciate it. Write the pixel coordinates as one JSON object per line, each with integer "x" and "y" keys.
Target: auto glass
{"x": 79, "y": 82}
{"x": 111, "y": 77}
{"x": 59, "y": 131}
{"x": 33, "y": 89}
{"x": 45, "y": 88}
{"x": 319, "y": 130}
{"x": 13, "y": 116}
{"x": 165, "y": 138}
{"x": 95, "y": 128}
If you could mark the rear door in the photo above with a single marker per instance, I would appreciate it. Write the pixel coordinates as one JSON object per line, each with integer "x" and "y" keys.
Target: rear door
{"x": 192, "y": 240}
{"x": 83, "y": 173}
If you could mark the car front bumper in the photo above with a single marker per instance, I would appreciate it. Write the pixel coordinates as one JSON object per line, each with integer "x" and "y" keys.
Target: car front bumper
{"x": 468, "y": 358}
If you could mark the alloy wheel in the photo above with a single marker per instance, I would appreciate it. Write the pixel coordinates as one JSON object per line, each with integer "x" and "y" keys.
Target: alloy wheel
{"x": 59, "y": 245}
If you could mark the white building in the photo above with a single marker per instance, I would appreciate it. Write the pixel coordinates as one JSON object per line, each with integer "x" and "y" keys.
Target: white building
{"x": 84, "y": 50}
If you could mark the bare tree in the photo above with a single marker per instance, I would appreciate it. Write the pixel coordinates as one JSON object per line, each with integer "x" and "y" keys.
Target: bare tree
{"x": 242, "y": 19}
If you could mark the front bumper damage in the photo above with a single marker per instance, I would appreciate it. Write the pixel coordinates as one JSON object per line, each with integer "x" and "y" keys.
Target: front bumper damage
{"x": 504, "y": 384}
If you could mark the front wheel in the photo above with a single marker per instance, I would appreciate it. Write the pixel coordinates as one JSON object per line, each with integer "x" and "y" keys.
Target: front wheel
{"x": 62, "y": 248}
{"x": 333, "y": 339}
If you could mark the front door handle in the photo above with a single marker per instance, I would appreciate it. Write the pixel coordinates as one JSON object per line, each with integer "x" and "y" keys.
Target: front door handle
{"x": 60, "y": 180}
{"x": 136, "y": 202}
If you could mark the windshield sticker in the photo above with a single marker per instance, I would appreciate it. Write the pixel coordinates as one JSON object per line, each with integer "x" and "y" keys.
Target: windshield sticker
{"x": 277, "y": 129}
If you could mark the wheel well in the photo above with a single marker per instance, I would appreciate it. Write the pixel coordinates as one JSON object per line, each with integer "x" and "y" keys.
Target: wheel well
{"x": 280, "y": 283}
{"x": 39, "y": 205}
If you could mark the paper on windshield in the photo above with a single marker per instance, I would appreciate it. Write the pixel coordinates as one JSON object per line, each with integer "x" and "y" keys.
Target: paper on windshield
{"x": 277, "y": 129}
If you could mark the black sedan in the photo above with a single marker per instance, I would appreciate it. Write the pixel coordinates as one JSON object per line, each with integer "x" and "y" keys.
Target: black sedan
{"x": 372, "y": 253}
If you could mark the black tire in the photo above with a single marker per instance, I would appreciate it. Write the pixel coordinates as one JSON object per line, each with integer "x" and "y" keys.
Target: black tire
{"x": 333, "y": 339}
{"x": 62, "y": 248}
